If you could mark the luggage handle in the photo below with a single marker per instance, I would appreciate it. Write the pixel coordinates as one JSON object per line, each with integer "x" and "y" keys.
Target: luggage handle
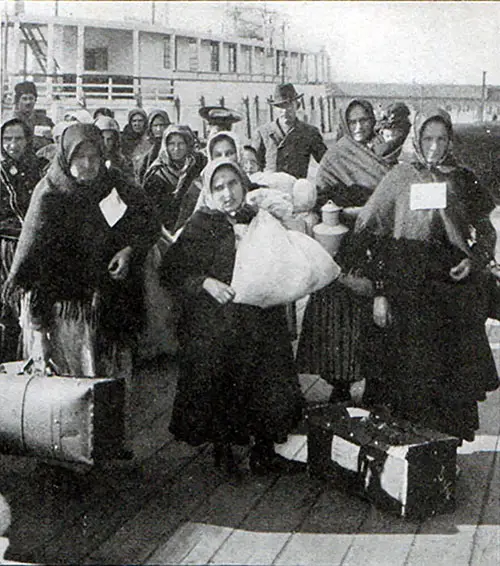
{"x": 50, "y": 368}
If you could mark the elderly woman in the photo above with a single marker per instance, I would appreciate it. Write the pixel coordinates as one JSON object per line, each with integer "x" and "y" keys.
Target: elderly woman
{"x": 79, "y": 257}
{"x": 21, "y": 170}
{"x": 348, "y": 174}
{"x": 237, "y": 375}
{"x": 431, "y": 242}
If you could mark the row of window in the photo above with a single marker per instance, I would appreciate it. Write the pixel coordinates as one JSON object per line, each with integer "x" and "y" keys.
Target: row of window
{"x": 96, "y": 59}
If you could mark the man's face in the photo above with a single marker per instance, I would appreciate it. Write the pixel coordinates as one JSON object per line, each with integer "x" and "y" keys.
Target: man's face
{"x": 26, "y": 103}
{"x": 288, "y": 112}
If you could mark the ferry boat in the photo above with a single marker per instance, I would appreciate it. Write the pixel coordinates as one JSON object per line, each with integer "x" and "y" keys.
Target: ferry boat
{"x": 89, "y": 62}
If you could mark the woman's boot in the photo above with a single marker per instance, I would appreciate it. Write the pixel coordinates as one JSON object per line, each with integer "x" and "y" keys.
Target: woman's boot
{"x": 224, "y": 458}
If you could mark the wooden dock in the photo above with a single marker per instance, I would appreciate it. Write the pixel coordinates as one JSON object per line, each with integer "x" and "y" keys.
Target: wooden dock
{"x": 170, "y": 506}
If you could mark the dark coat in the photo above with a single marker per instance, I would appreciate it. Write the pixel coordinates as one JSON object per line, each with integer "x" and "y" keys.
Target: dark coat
{"x": 237, "y": 374}
{"x": 167, "y": 188}
{"x": 433, "y": 363}
{"x": 290, "y": 152}
{"x": 66, "y": 244}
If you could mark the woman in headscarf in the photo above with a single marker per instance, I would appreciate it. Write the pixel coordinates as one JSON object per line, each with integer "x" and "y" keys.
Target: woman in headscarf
{"x": 158, "y": 121}
{"x": 166, "y": 183}
{"x": 79, "y": 258}
{"x": 348, "y": 174}
{"x": 220, "y": 145}
{"x": 237, "y": 375}
{"x": 431, "y": 241}
{"x": 20, "y": 170}
{"x": 113, "y": 156}
{"x": 135, "y": 140}
{"x": 171, "y": 174}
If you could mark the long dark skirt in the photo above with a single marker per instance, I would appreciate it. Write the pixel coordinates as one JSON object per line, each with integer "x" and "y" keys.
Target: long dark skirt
{"x": 329, "y": 343}
{"x": 10, "y": 330}
{"x": 434, "y": 363}
{"x": 237, "y": 378}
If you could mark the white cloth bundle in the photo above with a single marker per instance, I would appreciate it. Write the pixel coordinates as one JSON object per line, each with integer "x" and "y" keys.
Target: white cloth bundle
{"x": 276, "y": 266}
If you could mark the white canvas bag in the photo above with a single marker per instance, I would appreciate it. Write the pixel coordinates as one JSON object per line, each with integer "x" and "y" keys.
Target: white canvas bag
{"x": 276, "y": 266}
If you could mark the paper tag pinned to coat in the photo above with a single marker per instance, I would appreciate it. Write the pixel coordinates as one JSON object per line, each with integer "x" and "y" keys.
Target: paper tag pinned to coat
{"x": 112, "y": 207}
{"x": 427, "y": 196}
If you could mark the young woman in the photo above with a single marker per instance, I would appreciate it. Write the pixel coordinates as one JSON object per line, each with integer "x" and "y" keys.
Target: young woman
{"x": 79, "y": 258}
{"x": 158, "y": 121}
{"x": 171, "y": 174}
{"x": 432, "y": 239}
{"x": 221, "y": 145}
{"x": 21, "y": 170}
{"x": 113, "y": 156}
{"x": 236, "y": 383}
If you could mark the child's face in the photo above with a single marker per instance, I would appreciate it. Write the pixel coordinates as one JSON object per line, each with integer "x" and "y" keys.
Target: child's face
{"x": 249, "y": 162}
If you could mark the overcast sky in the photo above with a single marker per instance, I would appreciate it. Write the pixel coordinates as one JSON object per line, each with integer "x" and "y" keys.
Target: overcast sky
{"x": 424, "y": 42}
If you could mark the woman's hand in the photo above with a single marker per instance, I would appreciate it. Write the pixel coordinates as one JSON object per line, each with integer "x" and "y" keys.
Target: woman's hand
{"x": 462, "y": 270}
{"x": 118, "y": 267}
{"x": 221, "y": 292}
{"x": 359, "y": 285}
{"x": 381, "y": 312}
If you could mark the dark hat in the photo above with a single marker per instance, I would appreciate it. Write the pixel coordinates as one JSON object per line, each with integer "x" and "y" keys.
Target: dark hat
{"x": 218, "y": 115}
{"x": 26, "y": 87}
{"x": 284, "y": 94}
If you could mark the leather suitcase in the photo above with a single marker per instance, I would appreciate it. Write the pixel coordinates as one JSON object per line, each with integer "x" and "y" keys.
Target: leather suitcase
{"x": 79, "y": 420}
{"x": 401, "y": 468}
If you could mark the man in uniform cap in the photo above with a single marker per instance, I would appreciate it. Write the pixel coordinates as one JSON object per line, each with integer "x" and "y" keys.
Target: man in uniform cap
{"x": 219, "y": 119}
{"x": 25, "y": 97}
{"x": 287, "y": 143}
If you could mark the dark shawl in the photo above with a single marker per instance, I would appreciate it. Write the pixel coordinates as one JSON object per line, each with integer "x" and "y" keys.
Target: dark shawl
{"x": 19, "y": 178}
{"x": 66, "y": 244}
{"x": 131, "y": 139}
{"x": 167, "y": 182}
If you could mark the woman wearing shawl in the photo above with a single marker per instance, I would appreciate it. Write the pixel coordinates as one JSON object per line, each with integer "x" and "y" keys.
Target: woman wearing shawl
{"x": 170, "y": 176}
{"x": 113, "y": 156}
{"x": 237, "y": 375}
{"x": 220, "y": 145}
{"x": 433, "y": 242}
{"x": 20, "y": 170}
{"x": 158, "y": 121}
{"x": 135, "y": 140}
{"x": 166, "y": 183}
{"x": 79, "y": 257}
{"x": 348, "y": 174}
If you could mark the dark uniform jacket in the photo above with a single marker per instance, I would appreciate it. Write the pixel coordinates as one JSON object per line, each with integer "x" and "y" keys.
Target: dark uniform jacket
{"x": 290, "y": 152}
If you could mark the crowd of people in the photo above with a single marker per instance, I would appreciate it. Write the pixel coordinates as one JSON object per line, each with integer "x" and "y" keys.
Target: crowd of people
{"x": 119, "y": 245}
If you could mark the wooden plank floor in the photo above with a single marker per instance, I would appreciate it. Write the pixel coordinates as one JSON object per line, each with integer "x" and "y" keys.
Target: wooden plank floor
{"x": 170, "y": 506}
{"x": 173, "y": 507}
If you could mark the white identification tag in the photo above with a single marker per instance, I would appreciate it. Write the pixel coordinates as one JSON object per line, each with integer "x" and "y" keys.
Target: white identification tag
{"x": 426, "y": 196}
{"x": 112, "y": 207}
